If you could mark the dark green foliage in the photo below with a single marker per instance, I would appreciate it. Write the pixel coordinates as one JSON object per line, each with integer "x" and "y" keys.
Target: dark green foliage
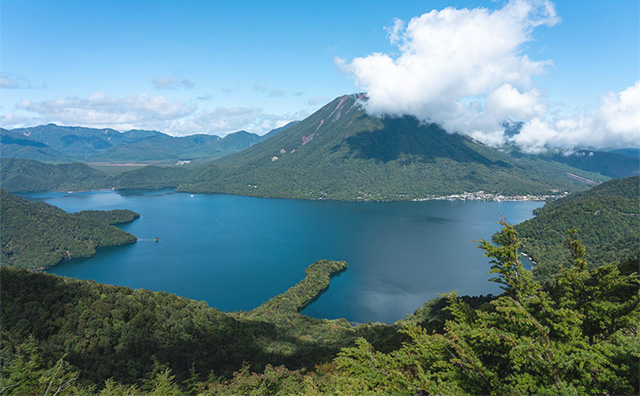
{"x": 316, "y": 281}
{"x": 273, "y": 381}
{"x": 580, "y": 336}
{"x": 434, "y": 314}
{"x": 577, "y": 335}
{"x": 608, "y": 220}
{"x": 39, "y": 235}
{"x": 152, "y": 177}
{"x": 21, "y": 175}
{"x": 139, "y": 337}
{"x": 115, "y": 216}
{"x": 108, "y": 331}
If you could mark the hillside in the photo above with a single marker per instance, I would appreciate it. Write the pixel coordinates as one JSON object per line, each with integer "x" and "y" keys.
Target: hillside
{"x": 80, "y": 142}
{"x": 38, "y": 235}
{"x": 22, "y": 175}
{"x": 576, "y": 336}
{"x": 607, "y": 218}
{"x": 611, "y": 164}
{"x": 629, "y": 152}
{"x": 15, "y": 145}
{"x": 54, "y": 143}
{"x": 340, "y": 152}
{"x": 126, "y": 335}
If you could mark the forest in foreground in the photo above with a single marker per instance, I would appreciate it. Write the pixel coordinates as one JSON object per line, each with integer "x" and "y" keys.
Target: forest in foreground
{"x": 574, "y": 331}
{"x": 579, "y": 335}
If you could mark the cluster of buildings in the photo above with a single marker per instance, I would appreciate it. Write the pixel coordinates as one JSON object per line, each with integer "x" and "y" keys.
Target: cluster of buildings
{"x": 483, "y": 196}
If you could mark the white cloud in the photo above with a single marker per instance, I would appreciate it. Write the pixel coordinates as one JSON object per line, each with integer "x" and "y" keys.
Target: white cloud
{"x": 616, "y": 123}
{"x": 462, "y": 68}
{"x": 224, "y": 120}
{"x": 394, "y": 32}
{"x": 101, "y": 110}
{"x": 142, "y": 111}
{"x": 172, "y": 82}
{"x": 467, "y": 70}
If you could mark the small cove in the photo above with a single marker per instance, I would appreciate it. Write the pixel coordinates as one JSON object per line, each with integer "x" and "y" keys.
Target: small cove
{"x": 236, "y": 252}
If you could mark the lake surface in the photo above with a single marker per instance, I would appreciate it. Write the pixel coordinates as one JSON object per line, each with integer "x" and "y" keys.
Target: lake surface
{"x": 237, "y": 252}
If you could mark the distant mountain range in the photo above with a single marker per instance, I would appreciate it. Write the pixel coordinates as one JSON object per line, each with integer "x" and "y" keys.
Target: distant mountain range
{"x": 54, "y": 143}
{"x": 629, "y": 152}
{"x": 339, "y": 152}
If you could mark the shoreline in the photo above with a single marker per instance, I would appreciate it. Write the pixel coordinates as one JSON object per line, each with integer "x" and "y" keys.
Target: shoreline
{"x": 466, "y": 196}
{"x": 490, "y": 197}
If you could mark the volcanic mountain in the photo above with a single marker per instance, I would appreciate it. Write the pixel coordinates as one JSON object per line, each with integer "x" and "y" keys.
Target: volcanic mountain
{"x": 341, "y": 152}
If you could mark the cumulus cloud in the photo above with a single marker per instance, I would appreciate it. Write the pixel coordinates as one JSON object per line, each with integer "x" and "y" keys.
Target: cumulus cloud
{"x": 616, "y": 123}
{"x": 99, "y": 109}
{"x": 172, "y": 82}
{"x": 224, "y": 120}
{"x": 142, "y": 111}
{"x": 462, "y": 68}
{"x": 467, "y": 70}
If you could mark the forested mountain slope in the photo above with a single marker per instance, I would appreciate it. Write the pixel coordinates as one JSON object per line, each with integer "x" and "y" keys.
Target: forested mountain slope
{"x": 607, "y": 218}
{"x": 23, "y": 175}
{"x": 55, "y": 144}
{"x": 38, "y": 235}
{"x": 340, "y": 152}
{"x": 128, "y": 335}
{"x": 16, "y": 145}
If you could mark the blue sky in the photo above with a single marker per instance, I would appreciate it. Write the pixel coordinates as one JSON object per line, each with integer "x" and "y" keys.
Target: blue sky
{"x": 217, "y": 67}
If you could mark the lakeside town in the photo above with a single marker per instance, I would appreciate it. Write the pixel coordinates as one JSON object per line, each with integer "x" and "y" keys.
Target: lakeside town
{"x": 484, "y": 196}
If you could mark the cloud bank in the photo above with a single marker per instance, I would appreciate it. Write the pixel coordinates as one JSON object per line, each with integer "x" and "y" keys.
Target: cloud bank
{"x": 142, "y": 111}
{"x": 467, "y": 70}
{"x": 616, "y": 123}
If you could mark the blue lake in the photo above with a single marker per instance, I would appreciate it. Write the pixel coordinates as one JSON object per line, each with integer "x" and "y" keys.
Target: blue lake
{"x": 236, "y": 252}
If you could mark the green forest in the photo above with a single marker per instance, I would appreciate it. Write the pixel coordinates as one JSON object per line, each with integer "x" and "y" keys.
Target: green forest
{"x": 577, "y": 335}
{"x": 570, "y": 326}
{"x": 37, "y": 235}
{"x": 607, "y": 217}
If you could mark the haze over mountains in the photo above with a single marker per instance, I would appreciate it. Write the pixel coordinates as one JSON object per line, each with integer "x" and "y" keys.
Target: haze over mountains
{"x": 339, "y": 152}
